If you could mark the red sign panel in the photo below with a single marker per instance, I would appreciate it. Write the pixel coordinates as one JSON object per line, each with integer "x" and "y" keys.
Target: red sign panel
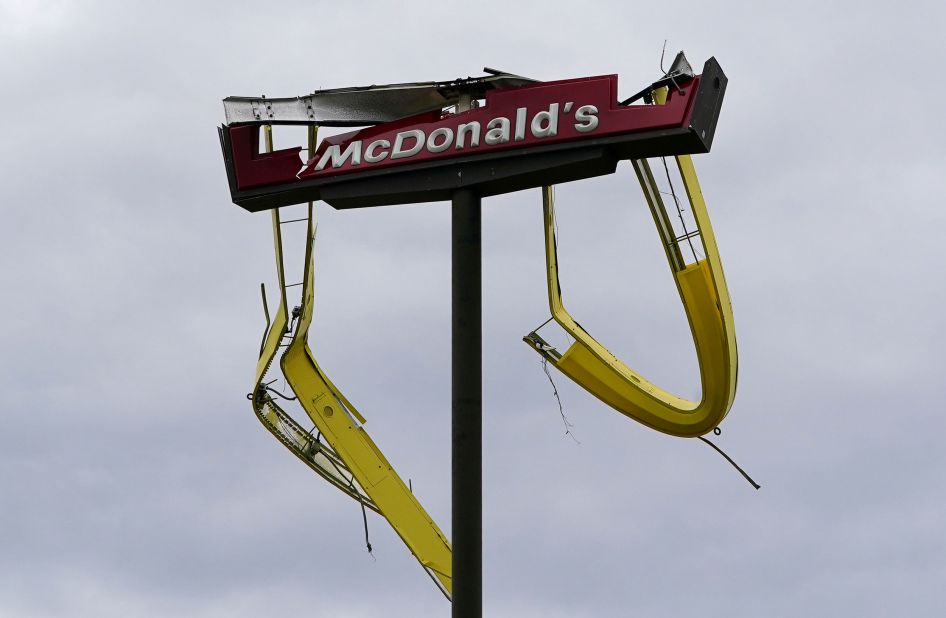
{"x": 545, "y": 113}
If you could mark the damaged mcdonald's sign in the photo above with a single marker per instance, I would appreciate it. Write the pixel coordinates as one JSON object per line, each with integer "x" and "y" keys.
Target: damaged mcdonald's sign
{"x": 415, "y": 146}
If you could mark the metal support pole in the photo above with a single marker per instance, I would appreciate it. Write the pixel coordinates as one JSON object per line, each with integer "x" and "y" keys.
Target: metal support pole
{"x": 467, "y": 402}
{"x": 467, "y": 406}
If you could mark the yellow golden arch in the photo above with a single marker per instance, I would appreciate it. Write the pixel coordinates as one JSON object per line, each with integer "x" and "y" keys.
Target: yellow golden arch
{"x": 341, "y": 451}
{"x": 702, "y": 289}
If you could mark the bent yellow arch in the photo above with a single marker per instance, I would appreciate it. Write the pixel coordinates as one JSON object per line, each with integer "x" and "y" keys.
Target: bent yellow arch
{"x": 341, "y": 425}
{"x": 342, "y": 452}
{"x": 310, "y": 449}
{"x": 301, "y": 443}
{"x": 702, "y": 289}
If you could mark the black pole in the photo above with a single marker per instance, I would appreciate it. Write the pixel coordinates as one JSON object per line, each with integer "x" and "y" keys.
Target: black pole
{"x": 467, "y": 406}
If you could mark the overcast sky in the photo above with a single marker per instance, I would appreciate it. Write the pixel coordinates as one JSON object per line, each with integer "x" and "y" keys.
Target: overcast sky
{"x": 135, "y": 481}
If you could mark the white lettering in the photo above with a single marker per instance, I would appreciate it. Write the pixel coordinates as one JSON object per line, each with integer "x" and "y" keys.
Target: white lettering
{"x": 587, "y": 117}
{"x": 399, "y": 152}
{"x": 371, "y": 156}
{"x": 446, "y": 134}
{"x": 498, "y": 132}
{"x": 338, "y": 158}
{"x": 468, "y": 127}
{"x": 520, "y": 123}
{"x": 550, "y": 118}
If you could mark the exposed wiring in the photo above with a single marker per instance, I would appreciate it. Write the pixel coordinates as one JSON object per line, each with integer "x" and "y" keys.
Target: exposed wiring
{"x": 663, "y": 51}
{"x": 729, "y": 459}
{"x": 561, "y": 410}
{"x": 273, "y": 390}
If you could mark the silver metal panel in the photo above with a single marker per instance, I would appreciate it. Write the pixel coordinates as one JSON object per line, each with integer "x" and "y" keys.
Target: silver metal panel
{"x": 363, "y": 105}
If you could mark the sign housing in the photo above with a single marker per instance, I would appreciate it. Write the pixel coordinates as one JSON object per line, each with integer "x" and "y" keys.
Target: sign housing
{"x": 527, "y": 134}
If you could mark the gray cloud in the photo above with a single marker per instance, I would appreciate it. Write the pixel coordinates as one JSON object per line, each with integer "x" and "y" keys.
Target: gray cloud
{"x": 135, "y": 480}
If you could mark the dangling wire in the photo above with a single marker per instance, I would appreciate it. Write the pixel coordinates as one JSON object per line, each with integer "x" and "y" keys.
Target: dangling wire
{"x": 663, "y": 51}
{"x": 729, "y": 459}
{"x": 269, "y": 388}
{"x": 286, "y": 397}
{"x": 364, "y": 517}
{"x": 561, "y": 410}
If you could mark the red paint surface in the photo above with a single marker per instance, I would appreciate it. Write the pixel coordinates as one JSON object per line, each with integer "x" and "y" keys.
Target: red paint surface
{"x": 253, "y": 169}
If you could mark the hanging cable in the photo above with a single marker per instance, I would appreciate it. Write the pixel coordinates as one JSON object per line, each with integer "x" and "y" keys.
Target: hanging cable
{"x": 273, "y": 390}
{"x": 729, "y": 459}
{"x": 663, "y": 51}
{"x": 561, "y": 410}
{"x": 364, "y": 517}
